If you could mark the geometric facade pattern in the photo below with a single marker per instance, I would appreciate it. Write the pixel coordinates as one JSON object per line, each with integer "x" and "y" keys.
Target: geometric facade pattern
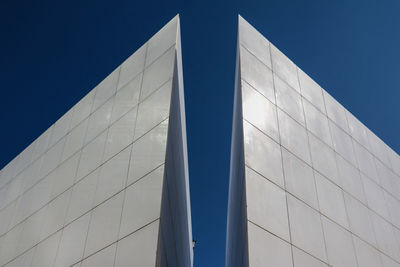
{"x": 107, "y": 184}
{"x": 310, "y": 185}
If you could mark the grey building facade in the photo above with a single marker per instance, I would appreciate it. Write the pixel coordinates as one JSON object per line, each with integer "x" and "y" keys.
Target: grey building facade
{"x": 310, "y": 185}
{"x": 107, "y": 184}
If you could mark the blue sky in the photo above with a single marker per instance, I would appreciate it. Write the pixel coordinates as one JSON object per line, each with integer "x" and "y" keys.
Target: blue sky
{"x": 53, "y": 53}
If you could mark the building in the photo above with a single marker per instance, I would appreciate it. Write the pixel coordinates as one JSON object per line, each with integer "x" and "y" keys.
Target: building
{"x": 107, "y": 184}
{"x": 310, "y": 185}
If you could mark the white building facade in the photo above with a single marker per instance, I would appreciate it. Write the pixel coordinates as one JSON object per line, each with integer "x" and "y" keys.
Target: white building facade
{"x": 107, "y": 184}
{"x": 310, "y": 185}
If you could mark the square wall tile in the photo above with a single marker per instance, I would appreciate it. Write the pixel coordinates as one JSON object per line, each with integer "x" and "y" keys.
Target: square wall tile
{"x": 266, "y": 249}
{"x": 331, "y": 202}
{"x": 99, "y": 121}
{"x": 350, "y": 179}
{"x": 294, "y": 137}
{"x": 262, "y": 154}
{"x": 45, "y": 252}
{"x": 359, "y": 219}
{"x": 336, "y": 112}
{"x": 148, "y": 152}
{"x": 299, "y": 179}
{"x": 72, "y": 242}
{"x": 91, "y": 156}
{"x": 82, "y": 197}
{"x": 139, "y": 248}
{"x": 103, "y": 258}
{"x": 317, "y": 123}
{"x": 104, "y": 224}
{"x": 162, "y": 41}
{"x": 367, "y": 256}
{"x": 254, "y": 42}
{"x": 306, "y": 228}
{"x": 120, "y": 134}
{"x": 311, "y": 91}
{"x": 302, "y": 259}
{"x": 284, "y": 68}
{"x": 153, "y": 109}
{"x": 132, "y": 67}
{"x": 126, "y": 98}
{"x": 324, "y": 159}
{"x": 259, "y": 111}
{"x": 266, "y": 205}
{"x": 82, "y": 109}
{"x": 342, "y": 143}
{"x": 339, "y": 245}
{"x": 158, "y": 73}
{"x": 289, "y": 100}
{"x": 256, "y": 74}
{"x": 105, "y": 89}
{"x": 142, "y": 202}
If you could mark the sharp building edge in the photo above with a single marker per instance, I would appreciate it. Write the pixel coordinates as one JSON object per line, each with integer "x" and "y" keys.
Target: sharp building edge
{"x": 310, "y": 185}
{"x": 107, "y": 184}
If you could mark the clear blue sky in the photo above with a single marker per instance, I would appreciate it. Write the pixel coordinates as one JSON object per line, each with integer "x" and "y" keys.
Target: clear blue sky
{"x": 53, "y": 53}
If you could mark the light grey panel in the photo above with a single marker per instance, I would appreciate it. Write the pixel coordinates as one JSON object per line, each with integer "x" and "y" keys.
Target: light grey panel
{"x": 153, "y": 110}
{"x": 120, "y": 134}
{"x": 342, "y": 143}
{"x": 45, "y": 252}
{"x": 256, "y": 74}
{"x": 72, "y": 242}
{"x": 339, "y": 245}
{"x": 336, "y": 112}
{"x": 142, "y": 202}
{"x": 105, "y": 89}
{"x": 317, "y": 123}
{"x": 133, "y": 66}
{"x": 99, "y": 121}
{"x": 148, "y": 152}
{"x": 367, "y": 255}
{"x": 306, "y": 228}
{"x": 103, "y": 258}
{"x": 159, "y": 72}
{"x": 139, "y": 248}
{"x": 112, "y": 176}
{"x": 104, "y": 224}
{"x": 311, "y": 91}
{"x": 299, "y": 179}
{"x": 324, "y": 159}
{"x": 294, "y": 137}
{"x": 284, "y": 68}
{"x": 289, "y": 100}
{"x": 126, "y": 98}
{"x": 82, "y": 197}
{"x": 262, "y": 154}
{"x": 91, "y": 156}
{"x": 302, "y": 259}
{"x": 359, "y": 219}
{"x": 266, "y": 249}
{"x": 259, "y": 111}
{"x": 266, "y": 205}
{"x": 254, "y": 42}
{"x": 331, "y": 202}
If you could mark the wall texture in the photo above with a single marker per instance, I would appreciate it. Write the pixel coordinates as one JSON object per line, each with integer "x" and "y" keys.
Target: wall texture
{"x": 96, "y": 188}
{"x": 310, "y": 185}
